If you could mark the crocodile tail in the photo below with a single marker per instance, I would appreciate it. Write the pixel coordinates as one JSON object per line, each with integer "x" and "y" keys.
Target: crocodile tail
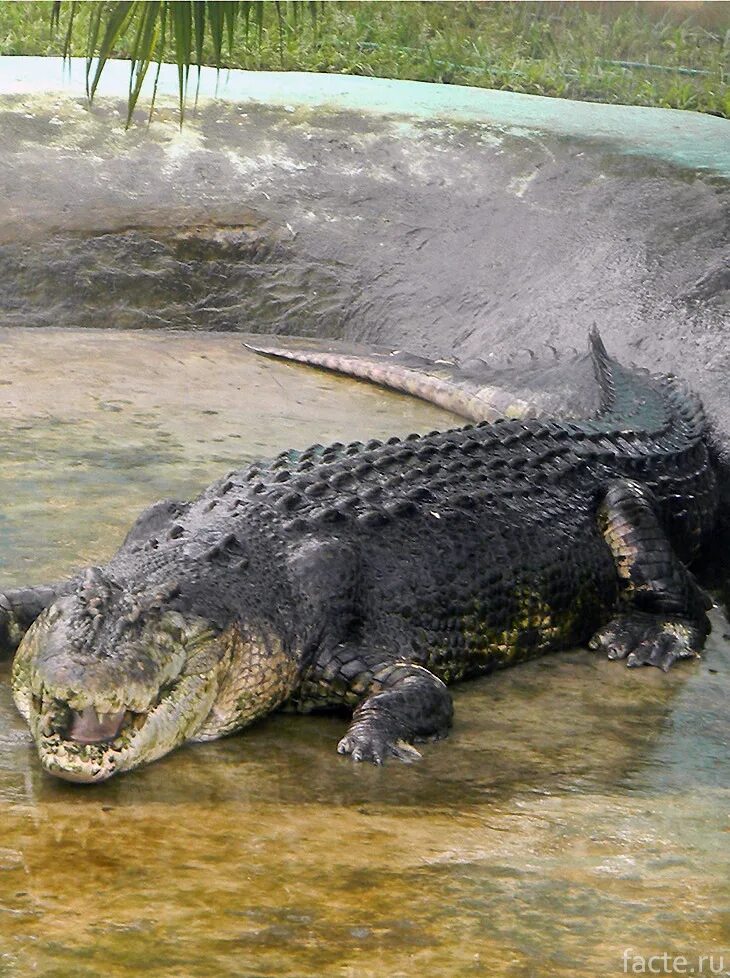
{"x": 438, "y": 382}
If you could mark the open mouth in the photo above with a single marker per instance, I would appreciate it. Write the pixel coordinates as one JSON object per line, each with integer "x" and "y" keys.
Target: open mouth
{"x": 89, "y": 745}
{"x": 89, "y": 727}
{"x": 85, "y": 727}
{"x": 96, "y": 713}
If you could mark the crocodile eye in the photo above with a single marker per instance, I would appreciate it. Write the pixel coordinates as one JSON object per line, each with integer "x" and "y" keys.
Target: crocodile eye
{"x": 172, "y": 633}
{"x": 174, "y": 625}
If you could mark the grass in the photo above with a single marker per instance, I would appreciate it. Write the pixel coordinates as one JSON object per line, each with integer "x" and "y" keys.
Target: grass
{"x": 674, "y": 55}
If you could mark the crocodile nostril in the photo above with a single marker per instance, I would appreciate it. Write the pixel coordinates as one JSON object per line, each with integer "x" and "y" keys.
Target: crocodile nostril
{"x": 89, "y": 727}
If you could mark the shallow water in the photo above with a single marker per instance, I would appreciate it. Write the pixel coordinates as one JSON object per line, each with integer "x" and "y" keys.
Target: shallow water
{"x": 577, "y": 810}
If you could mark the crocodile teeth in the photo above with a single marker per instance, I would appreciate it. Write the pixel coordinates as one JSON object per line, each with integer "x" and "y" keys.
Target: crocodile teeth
{"x": 89, "y": 727}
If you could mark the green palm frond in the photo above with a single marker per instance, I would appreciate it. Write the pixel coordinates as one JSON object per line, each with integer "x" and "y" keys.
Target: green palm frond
{"x": 638, "y": 53}
{"x": 174, "y": 30}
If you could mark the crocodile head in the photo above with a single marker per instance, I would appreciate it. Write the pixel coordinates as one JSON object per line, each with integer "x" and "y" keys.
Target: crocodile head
{"x": 111, "y": 677}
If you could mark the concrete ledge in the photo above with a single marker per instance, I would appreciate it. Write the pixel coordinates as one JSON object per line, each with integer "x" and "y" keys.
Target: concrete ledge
{"x": 688, "y": 139}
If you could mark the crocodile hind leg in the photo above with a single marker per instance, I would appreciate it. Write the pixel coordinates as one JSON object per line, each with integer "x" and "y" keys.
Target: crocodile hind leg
{"x": 665, "y": 617}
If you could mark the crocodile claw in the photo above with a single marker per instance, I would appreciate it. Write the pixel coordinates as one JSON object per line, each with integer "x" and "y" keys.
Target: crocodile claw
{"x": 368, "y": 743}
{"x": 643, "y": 640}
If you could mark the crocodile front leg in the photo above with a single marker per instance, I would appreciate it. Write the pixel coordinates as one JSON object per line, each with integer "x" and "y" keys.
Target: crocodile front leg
{"x": 397, "y": 703}
{"x": 19, "y": 608}
{"x": 665, "y": 618}
{"x": 407, "y": 704}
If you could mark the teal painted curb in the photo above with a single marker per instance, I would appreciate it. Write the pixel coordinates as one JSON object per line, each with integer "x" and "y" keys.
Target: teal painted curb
{"x": 687, "y": 139}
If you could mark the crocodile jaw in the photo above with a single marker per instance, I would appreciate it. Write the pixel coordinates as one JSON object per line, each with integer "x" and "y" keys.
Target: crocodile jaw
{"x": 65, "y": 737}
{"x": 210, "y": 686}
{"x": 94, "y": 710}
{"x": 175, "y": 719}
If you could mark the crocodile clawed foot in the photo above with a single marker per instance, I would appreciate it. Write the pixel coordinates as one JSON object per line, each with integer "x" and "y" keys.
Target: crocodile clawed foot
{"x": 644, "y": 640}
{"x": 368, "y": 741}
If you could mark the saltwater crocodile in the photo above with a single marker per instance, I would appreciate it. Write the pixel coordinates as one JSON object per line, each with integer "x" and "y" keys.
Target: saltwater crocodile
{"x": 368, "y": 576}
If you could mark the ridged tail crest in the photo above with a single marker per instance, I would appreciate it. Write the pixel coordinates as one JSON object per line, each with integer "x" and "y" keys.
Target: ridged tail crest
{"x": 603, "y": 369}
{"x": 634, "y": 399}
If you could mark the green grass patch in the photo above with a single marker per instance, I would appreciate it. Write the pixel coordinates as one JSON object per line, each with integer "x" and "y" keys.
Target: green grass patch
{"x": 670, "y": 55}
